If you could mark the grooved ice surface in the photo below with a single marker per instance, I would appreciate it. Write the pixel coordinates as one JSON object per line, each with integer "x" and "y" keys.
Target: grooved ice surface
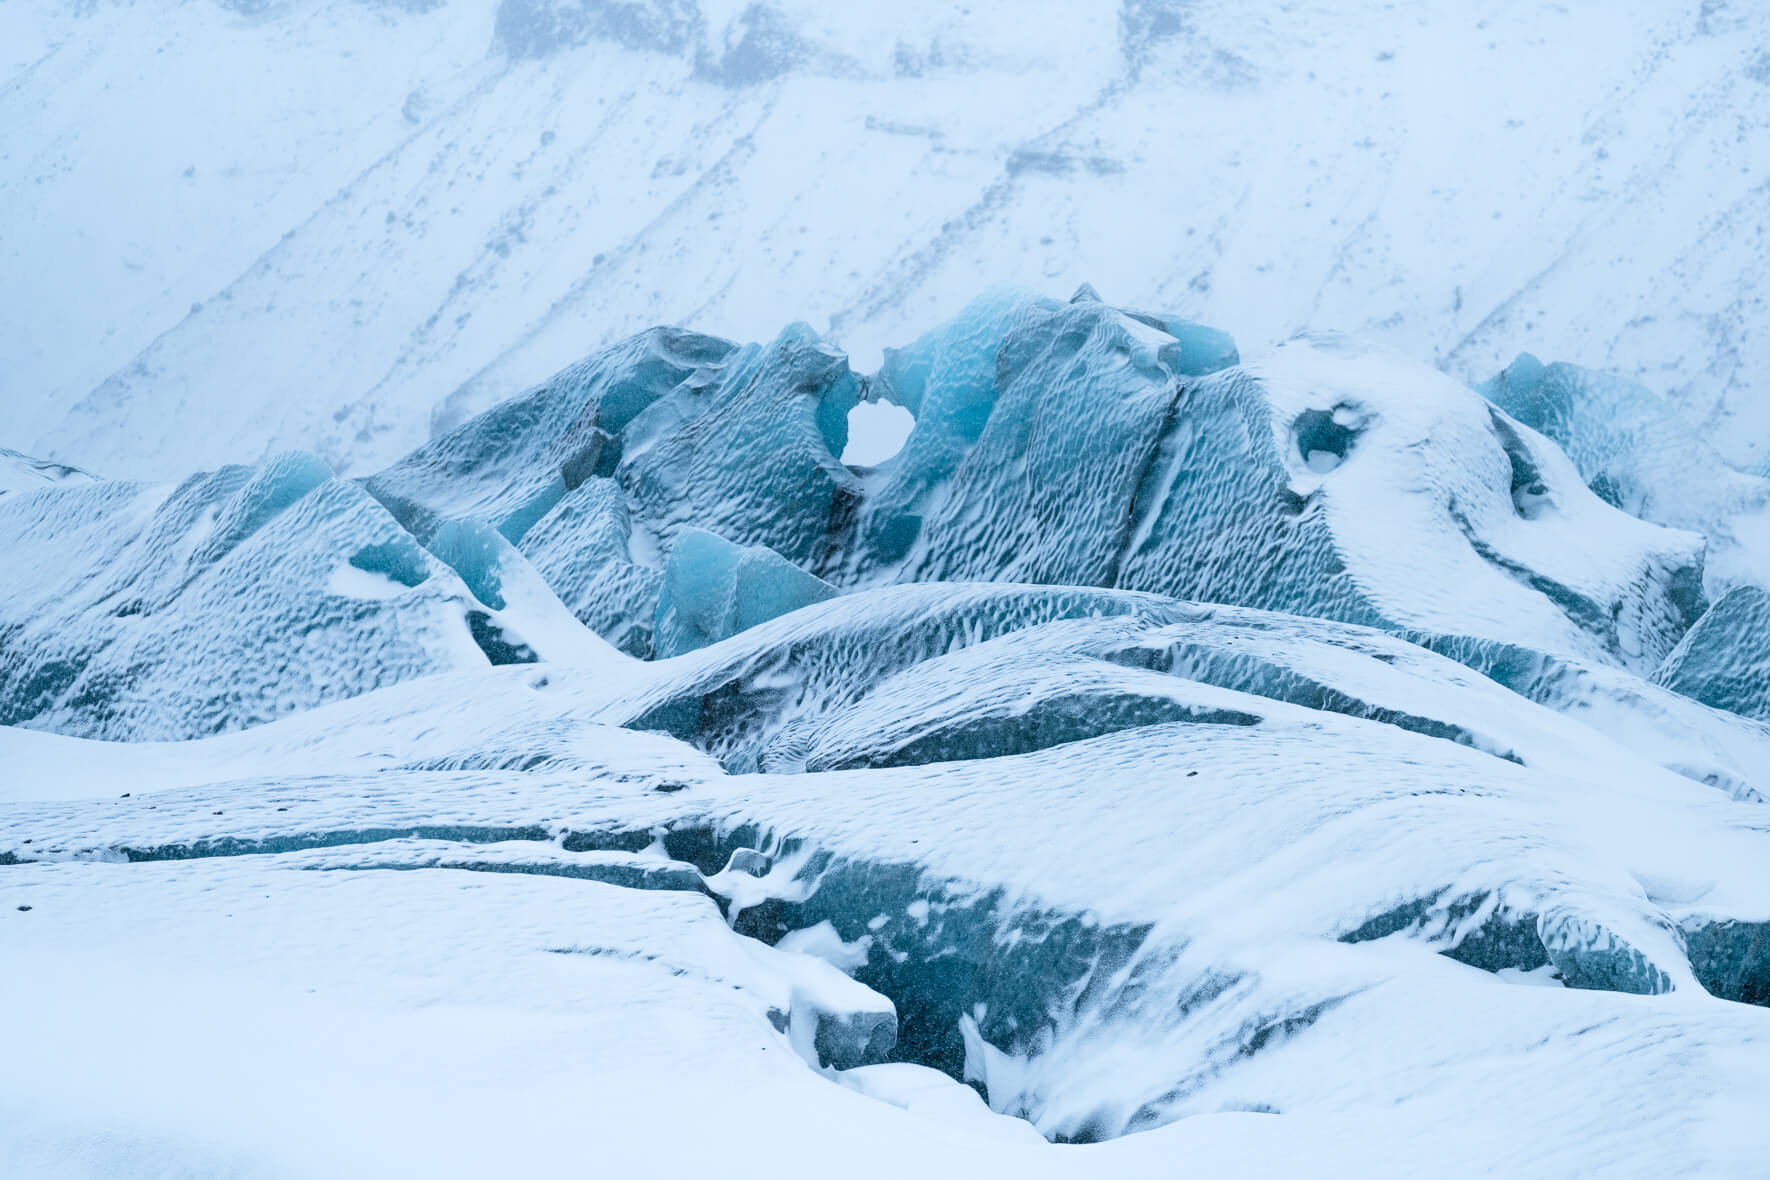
{"x": 132, "y": 611}
{"x": 595, "y": 472}
{"x": 583, "y": 548}
{"x": 1081, "y": 396}
{"x": 752, "y": 457}
{"x": 1071, "y": 444}
{"x": 1062, "y": 443}
{"x": 511, "y": 464}
{"x": 1724, "y": 660}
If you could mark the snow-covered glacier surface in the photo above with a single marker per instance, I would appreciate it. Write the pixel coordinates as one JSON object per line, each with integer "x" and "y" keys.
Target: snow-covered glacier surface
{"x": 1169, "y": 761}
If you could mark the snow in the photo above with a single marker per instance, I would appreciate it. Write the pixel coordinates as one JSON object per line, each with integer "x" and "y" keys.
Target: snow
{"x": 1061, "y": 740}
{"x": 535, "y": 1061}
{"x": 21, "y": 473}
{"x": 1636, "y": 451}
{"x": 1249, "y": 884}
{"x": 1462, "y": 184}
{"x": 1461, "y": 515}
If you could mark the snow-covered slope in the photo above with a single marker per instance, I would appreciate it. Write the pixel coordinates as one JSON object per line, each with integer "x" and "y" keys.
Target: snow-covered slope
{"x": 944, "y": 834}
{"x": 1324, "y": 876}
{"x": 312, "y": 223}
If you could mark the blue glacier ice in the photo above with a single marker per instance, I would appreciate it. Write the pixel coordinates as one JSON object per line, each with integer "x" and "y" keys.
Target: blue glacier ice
{"x": 527, "y": 621}
{"x": 593, "y": 473}
{"x": 1080, "y": 394}
{"x": 947, "y": 380}
{"x": 1203, "y": 349}
{"x": 1638, "y": 453}
{"x": 752, "y": 456}
{"x": 1067, "y": 443}
{"x": 713, "y": 589}
{"x": 583, "y": 547}
{"x": 511, "y": 464}
{"x": 135, "y": 611}
{"x": 1039, "y": 360}
{"x": 1724, "y": 661}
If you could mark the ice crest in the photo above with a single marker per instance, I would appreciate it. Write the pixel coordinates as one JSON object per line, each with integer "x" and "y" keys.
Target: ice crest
{"x": 242, "y": 595}
{"x": 1637, "y": 452}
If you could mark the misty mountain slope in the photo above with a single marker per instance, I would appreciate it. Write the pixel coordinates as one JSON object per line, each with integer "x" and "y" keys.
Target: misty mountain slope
{"x": 388, "y": 203}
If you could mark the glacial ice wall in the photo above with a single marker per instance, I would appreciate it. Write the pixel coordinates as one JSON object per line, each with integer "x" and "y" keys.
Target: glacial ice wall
{"x": 1070, "y": 444}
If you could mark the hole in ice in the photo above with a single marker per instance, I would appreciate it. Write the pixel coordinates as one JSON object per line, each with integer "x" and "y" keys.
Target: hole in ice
{"x": 877, "y": 430}
{"x": 1324, "y": 437}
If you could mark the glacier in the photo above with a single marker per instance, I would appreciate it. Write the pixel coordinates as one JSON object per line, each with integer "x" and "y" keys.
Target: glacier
{"x": 136, "y": 611}
{"x": 1167, "y": 754}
